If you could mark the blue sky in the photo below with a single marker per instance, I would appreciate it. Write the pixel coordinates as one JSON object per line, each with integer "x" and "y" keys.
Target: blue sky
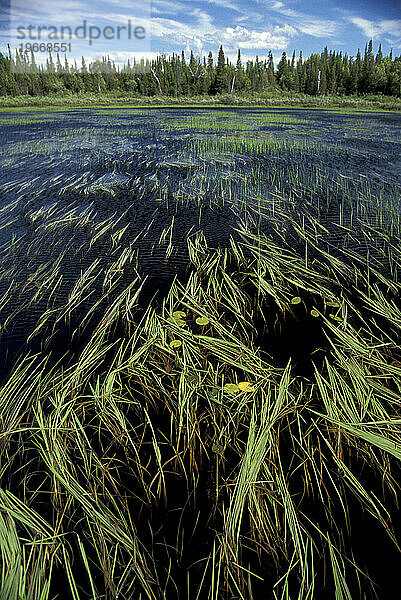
{"x": 254, "y": 26}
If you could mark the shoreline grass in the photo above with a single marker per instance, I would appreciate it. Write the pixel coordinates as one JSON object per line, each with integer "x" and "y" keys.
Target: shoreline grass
{"x": 283, "y": 100}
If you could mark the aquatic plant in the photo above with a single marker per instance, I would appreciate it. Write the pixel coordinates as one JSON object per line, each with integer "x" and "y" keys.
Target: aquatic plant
{"x": 231, "y": 430}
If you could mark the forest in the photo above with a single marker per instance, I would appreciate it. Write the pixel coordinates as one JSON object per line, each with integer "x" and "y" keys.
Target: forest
{"x": 327, "y": 73}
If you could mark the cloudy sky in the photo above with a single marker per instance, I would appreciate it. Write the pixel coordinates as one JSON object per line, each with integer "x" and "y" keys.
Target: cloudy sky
{"x": 255, "y": 26}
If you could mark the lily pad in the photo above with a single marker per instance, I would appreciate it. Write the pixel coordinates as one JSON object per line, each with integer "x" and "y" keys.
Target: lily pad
{"x": 231, "y": 388}
{"x": 246, "y": 386}
{"x": 202, "y": 320}
{"x": 175, "y": 343}
{"x": 314, "y": 312}
{"x": 179, "y": 314}
{"x": 296, "y": 300}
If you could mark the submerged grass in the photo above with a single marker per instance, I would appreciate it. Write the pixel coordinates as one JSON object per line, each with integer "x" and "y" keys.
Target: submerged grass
{"x": 237, "y": 436}
{"x": 144, "y": 474}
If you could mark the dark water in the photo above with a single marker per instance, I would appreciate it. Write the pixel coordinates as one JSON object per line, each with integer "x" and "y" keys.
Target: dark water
{"x": 64, "y": 174}
{"x": 80, "y": 194}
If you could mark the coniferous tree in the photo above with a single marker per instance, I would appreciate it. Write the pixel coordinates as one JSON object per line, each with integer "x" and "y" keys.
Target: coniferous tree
{"x": 221, "y": 73}
{"x": 50, "y": 64}
{"x": 271, "y": 80}
{"x": 379, "y": 55}
{"x": 33, "y": 67}
{"x": 282, "y": 74}
{"x": 239, "y": 82}
{"x": 59, "y": 66}
{"x": 379, "y": 76}
{"x": 327, "y": 73}
{"x": 210, "y": 84}
{"x": 358, "y": 72}
{"x": 366, "y": 83}
{"x": 301, "y": 74}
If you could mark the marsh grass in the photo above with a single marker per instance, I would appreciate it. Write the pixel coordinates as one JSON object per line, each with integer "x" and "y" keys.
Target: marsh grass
{"x": 236, "y": 436}
{"x": 272, "y": 98}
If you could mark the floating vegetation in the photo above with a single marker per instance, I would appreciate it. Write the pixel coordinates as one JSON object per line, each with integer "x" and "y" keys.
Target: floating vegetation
{"x": 231, "y": 388}
{"x": 179, "y": 314}
{"x": 202, "y": 320}
{"x": 146, "y": 455}
{"x": 246, "y": 386}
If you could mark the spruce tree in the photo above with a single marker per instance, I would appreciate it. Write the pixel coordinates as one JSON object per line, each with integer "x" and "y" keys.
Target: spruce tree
{"x": 283, "y": 72}
{"x": 271, "y": 80}
{"x": 221, "y": 73}
{"x": 239, "y": 82}
{"x": 210, "y": 75}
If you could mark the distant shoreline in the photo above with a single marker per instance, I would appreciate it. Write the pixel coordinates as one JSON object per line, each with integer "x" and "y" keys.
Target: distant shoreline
{"x": 77, "y": 101}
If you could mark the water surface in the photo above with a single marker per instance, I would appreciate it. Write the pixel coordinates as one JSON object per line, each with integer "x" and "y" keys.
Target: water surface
{"x": 113, "y": 194}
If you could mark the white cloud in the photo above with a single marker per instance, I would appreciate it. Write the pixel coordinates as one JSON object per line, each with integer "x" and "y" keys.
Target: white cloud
{"x": 203, "y": 33}
{"x": 130, "y": 4}
{"x": 225, "y": 4}
{"x": 123, "y": 56}
{"x": 303, "y": 22}
{"x": 47, "y": 12}
{"x": 241, "y": 37}
{"x": 204, "y": 20}
{"x": 375, "y": 30}
{"x": 167, "y": 7}
{"x": 319, "y": 28}
{"x": 57, "y": 13}
{"x": 281, "y": 8}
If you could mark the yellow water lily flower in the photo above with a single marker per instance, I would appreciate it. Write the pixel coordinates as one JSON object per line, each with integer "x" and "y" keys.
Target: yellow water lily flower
{"x": 175, "y": 343}
{"x": 246, "y": 386}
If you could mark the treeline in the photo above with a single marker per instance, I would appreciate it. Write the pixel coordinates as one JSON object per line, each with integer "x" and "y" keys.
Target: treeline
{"x": 319, "y": 74}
